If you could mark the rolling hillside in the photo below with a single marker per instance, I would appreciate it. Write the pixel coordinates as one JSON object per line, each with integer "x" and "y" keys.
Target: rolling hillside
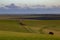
{"x": 29, "y": 29}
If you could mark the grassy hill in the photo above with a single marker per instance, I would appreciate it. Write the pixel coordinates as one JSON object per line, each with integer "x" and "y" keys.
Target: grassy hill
{"x": 11, "y": 25}
{"x": 31, "y": 30}
{"x": 7, "y": 35}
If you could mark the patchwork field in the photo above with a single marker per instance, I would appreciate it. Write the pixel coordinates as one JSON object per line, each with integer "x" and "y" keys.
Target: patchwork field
{"x": 29, "y": 29}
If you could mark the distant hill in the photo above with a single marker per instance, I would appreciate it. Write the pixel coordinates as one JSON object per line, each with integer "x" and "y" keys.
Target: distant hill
{"x": 31, "y": 16}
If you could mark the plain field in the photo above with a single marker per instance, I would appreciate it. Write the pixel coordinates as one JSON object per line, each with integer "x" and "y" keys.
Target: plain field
{"x": 32, "y": 30}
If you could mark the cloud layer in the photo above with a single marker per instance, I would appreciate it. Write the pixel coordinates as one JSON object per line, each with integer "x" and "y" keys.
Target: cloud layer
{"x": 13, "y": 8}
{"x": 31, "y": 2}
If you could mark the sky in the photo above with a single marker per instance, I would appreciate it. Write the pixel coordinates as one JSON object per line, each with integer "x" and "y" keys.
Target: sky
{"x": 30, "y": 6}
{"x": 31, "y": 2}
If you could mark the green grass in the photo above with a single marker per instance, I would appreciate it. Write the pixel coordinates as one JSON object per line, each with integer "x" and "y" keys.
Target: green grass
{"x": 27, "y": 38}
{"x": 6, "y": 35}
{"x": 11, "y": 25}
{"x": 43, "y": 23}
{"x": 12, "y": 30}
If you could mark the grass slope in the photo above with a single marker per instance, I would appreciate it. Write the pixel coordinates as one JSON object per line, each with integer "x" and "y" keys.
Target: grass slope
{"x": 30, "y": 25}
{"x": 11, "y": 25}
{"x": 12, "y": 30}
{"x": 6, "y": 35}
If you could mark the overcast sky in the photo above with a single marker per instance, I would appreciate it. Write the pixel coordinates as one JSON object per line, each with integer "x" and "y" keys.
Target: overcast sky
{"x": 47, "y": 3}
{"x": 31, "y": 2}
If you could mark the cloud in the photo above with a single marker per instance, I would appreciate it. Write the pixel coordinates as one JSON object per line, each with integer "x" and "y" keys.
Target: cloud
{"x": 12, "y": 8}
{"x": 31, "y": 2}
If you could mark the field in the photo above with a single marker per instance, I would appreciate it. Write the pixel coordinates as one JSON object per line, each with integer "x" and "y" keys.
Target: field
{"x": 31, "y": 30}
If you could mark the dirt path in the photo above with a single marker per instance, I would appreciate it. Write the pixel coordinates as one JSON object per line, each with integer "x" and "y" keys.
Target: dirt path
{"x": 28, "y": 29}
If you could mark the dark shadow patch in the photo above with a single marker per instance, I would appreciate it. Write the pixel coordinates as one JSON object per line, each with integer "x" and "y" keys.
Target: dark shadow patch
{"x": 51, "y": 33}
